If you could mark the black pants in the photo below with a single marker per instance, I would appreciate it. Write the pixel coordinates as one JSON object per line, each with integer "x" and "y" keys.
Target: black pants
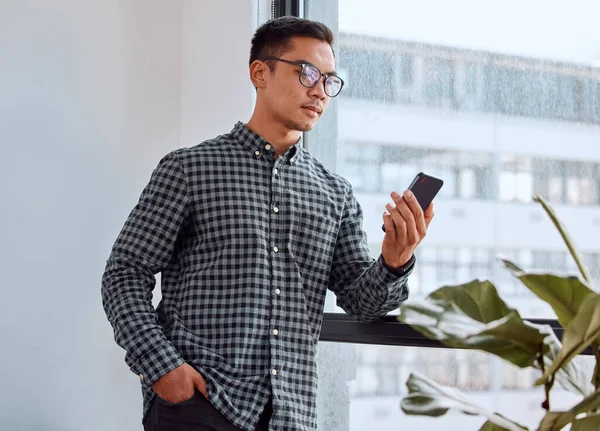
{"x": 195, "y": 414}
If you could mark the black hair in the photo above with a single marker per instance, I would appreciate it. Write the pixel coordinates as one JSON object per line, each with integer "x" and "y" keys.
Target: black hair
{"x": 273, "y": 38}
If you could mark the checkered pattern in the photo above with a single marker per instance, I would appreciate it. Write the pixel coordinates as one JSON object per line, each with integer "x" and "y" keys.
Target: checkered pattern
{"x": 247, "y": 244}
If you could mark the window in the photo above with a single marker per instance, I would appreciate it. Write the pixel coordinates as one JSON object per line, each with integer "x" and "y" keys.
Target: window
{"x": 372, "y": 82}
{"x": 590, "y": 105}
{"x": 438, "y": 83}
{"x": 406, "y": 66}
{"x": 567, "y": 182}
{"x": 533, "y": 93}
{"x": 382, "y": 168}
{"x": 468, "y": 91}
{"x": 361, "y": 162}
{"x": 516, "y": 179}
{"x": 439, "y": 266}
{"x": 498, "y": 119}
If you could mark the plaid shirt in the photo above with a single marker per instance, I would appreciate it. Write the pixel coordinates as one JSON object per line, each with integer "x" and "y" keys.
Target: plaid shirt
{"x": 247, "y": 245}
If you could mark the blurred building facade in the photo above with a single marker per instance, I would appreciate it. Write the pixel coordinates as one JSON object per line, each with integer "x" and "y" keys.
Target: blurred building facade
{"x": 498, "y": 129}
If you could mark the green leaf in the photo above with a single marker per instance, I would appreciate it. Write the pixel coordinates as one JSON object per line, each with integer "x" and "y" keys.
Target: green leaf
{"x": 490, "y": 426}
{"x": 570, "y": 376}
{"x": 478, "y": 299}
{"x": 555, "y": 421}
{"x": 564, "y": 294}
{"x": 588, "y": 423}
{"x": 551, "y": 421}
{"x": 565, "y": 236}
{"x": 425, "y": 397}
{"x": 583, "y": 330}
{"x": 474, "y": 316}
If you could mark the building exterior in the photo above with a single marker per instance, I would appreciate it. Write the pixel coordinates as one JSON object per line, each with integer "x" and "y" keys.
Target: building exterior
{"x": 498, "y": 129}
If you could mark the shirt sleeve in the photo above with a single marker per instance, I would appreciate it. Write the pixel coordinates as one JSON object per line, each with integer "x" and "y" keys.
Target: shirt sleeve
{"x": 365, "y": 288}
{"x": 143, "y": 248}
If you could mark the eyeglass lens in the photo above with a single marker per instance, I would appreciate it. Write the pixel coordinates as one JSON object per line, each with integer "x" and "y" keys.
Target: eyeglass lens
{"x": 311, "y": 75}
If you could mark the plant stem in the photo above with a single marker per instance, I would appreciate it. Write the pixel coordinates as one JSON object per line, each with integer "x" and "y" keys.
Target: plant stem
{"x": 548, "y": 383}
{"x": 596, "y": 376}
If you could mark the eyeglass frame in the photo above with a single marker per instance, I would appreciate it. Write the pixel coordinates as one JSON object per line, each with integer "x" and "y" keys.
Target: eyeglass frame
{"x": 303, "y": 65}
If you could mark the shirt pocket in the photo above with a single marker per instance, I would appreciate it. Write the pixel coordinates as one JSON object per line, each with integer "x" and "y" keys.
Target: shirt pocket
{"x": 314, "y": 223}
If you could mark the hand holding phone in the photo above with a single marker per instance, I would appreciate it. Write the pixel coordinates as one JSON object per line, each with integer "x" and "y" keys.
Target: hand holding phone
{"x": 425, "y": 187}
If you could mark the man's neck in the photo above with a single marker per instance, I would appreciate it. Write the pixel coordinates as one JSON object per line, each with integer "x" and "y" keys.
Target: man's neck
{"x": 280, "y": 137}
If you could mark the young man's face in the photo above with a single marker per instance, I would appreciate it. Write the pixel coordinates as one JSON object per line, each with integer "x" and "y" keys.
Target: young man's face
{"x": 290, "y": 103}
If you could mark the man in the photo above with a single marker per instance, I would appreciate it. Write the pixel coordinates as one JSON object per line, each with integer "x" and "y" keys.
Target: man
{"x": 249, "y": 231}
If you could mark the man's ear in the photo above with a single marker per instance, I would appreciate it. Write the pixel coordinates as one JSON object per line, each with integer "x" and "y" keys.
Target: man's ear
{"x": 259, "y": 74}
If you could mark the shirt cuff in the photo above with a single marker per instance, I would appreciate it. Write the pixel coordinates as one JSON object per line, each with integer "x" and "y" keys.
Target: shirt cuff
{"x": 156, "y": 363}
{"x": 403, "y": 270}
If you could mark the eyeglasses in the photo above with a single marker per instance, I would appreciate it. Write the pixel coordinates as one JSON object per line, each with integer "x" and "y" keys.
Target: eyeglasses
{"x": 310, "y": 76}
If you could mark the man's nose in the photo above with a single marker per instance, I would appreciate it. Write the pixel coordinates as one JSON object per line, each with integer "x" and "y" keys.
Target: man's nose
{"x": 319, "y": 89}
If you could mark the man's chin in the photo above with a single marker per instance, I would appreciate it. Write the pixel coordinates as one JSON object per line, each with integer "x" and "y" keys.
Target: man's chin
{"x": 303, "y": 126}
{"x": 307, "y": 127}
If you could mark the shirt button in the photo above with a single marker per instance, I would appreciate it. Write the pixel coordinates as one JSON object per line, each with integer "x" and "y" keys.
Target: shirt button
{"x": 275, "y": 332}
{"x": 267, "y": 147}
{"x": 274, "y": 372}
{"x": 275, "y": 249}
{"x": 275, "y": 171}
{"x": 141, "y": 377}
{"x": 277, "y": 291}
{"x": 257, "y": 153}
{"x": 276, "y": 209}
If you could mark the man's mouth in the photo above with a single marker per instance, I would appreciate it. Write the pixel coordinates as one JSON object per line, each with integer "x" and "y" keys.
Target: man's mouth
{"x": 313, "y": 108}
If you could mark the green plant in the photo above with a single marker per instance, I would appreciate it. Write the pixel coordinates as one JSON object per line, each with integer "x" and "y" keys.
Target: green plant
{"x": 473, "y": 316}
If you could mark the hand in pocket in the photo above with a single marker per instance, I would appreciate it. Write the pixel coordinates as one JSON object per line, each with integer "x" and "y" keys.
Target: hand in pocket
{"x": 180, "y": 384}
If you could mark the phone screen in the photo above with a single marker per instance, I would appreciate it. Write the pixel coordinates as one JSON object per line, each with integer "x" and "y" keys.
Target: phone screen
{"x": 425, "y": 188}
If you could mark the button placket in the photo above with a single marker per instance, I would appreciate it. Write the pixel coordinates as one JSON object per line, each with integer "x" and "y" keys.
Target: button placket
{"x": 276, "y": 220}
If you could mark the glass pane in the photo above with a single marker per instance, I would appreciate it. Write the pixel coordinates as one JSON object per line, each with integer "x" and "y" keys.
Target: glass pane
{"x": 498, "y": 118}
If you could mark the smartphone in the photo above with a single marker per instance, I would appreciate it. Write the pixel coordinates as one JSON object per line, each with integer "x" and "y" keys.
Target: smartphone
{"x": 424, "y": 187}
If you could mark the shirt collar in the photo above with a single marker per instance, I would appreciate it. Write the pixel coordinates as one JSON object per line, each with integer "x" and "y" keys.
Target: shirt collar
{"x": 259, "y": 145}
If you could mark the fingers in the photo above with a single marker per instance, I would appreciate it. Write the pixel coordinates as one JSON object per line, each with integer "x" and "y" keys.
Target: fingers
{"x": 200, "y": 384}
{"x": 407, "y": 217}
{"x": 180, "y": 384}
{"x": 428, "y": 216}
{"x": 409, "y": 220}
{"x": 399, "y": 225}
{"x": 388, "y": 224}
{"x": 417, "y": 212}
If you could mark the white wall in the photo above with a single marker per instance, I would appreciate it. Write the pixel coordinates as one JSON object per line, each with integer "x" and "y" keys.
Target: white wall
{"x": 92, "y": 95}
{"x": 216, "y": 88}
